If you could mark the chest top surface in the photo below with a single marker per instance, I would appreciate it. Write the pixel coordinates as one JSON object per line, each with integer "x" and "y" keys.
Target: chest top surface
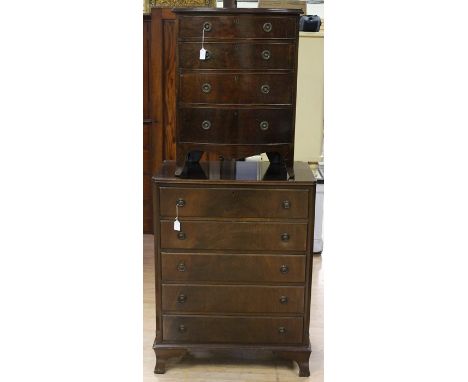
{"x": 239, "y": 172}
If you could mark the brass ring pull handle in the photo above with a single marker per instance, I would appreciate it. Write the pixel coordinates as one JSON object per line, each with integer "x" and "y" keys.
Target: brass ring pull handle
{"x": 181, "y": 298}
{"x": 206, "y": 87}
{"x": 281, "y": 330}
{"x": 181, "y": 267}
{"x": 182, "y": 328}
{"x": 207, "y": 26}
{"x": 206, "y": 125}
{"x": 180, "y": 202}
{"x": 284, "y": 269}
{"x": 286, "y": 204}
{"x": 267, "y": 27}
{"x": 283, "y": 300}
{"x": 265, "y": 89}
{"x": 264, "y": 125}
{"x": 266, "y": 54}
{"x": 181, "y": 235}
{"x": 285, "y": 237}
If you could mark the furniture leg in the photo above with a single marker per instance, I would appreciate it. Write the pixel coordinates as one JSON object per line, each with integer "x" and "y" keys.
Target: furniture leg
{"x": 163, "y": 355}
{"x": 300, "y": 357}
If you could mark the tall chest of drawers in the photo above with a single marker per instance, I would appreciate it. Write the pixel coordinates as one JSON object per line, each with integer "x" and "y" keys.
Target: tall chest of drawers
{"x": 240, "y": 99}
{"x": 237, "y": 275}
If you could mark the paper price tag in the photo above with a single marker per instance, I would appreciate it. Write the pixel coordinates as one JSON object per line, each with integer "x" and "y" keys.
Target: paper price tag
{"x": 202, "y": 53}
{"x": 176, "y": 225}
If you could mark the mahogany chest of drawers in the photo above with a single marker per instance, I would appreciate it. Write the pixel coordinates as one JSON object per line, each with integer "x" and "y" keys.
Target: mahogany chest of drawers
{"x": 237, "y": 275}
{"x": 240, "y": 99}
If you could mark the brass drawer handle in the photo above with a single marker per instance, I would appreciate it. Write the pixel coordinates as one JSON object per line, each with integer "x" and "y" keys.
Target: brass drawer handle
{"x": 180, "y": 202}
{"x": 267, "y": 27}
{"x": 206, "y": 87}
{"x": 284, "y": 269}
{"x": 181, "y": 267}
{"x": 283, "y": 300}
{"x": 286, "y": 204}
{"x": 264, "y": 125}
{"x": 266, "y": 54}
{"x": 207, "y": 26}
{"x": 181, "y": 298}
{"x": 181, "y": 235}
{"x": 285, "y": 236}
{"x": 281, "y": 330}
{"x": 265, "y": 89}
{"x": 182, "y": 328}
{"x": 206, "y": 125}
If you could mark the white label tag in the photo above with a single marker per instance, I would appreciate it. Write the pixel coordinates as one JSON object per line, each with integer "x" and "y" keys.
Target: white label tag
{"x": 176, "y": 225}
{"x": 202, "y": 53}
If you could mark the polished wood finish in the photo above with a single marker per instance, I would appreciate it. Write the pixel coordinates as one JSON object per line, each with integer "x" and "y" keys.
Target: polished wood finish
{"x": 227, "y": 281}
{"x": 192, "y": 298}
{"x": 235, "y": 236}
{"x": 240, "y": 330}
{"x": 237, "y": 55}
{"x": 208, "y": 125}
{"x": 240, "y": 100}
{"x": 240, "y": 23}
{"x": 230, "y": 362}
{"x": 283, "y": 203}
{"x": 220, "y": 267}
{"x": 235, "y": 88}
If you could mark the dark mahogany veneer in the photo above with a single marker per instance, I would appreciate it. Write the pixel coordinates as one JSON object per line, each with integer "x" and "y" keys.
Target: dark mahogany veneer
{"x": 239, "y": 101}
{"x": 237, "y": 276}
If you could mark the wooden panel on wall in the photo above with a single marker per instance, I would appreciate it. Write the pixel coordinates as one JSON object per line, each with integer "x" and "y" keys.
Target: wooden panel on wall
{"x": 169, "y": 58}
{"x": 147, "y": 126}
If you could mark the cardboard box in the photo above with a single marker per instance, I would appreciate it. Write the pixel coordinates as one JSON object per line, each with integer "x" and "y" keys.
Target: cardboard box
{"x": 287, "y": 4}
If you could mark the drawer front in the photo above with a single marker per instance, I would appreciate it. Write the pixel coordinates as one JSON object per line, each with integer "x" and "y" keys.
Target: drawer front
{"x": 222, "y": 235}
{"x": 234, "y": 268}
{"x": 234, "y": 202}
{"x": 232, "y": 299}
{"x": 237, "y": 56}
{"x": 247, "y": 330}
{"x": 240, "y": 88}
{"x": 234, "y": 26}
{"x": 232, "y": 126}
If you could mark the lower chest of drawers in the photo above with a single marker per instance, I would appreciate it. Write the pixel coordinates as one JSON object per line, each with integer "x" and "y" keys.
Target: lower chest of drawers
{"x": 236, "y": 275}
{"x": 238, "y": 270}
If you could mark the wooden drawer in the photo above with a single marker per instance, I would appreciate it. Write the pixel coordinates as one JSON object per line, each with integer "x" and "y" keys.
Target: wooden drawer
{"x": 234, "y": 202}
{"x": 237, "y": 88}
{"x": 234, "y": 26}
{"x": 235, "y": 126}
{"x": 233, "y": 268}
{"x": 232, "y": 299}
{"x": 237, "y": 55}
{"x": 224, "y": 235}
{"x": 247, "y": 330}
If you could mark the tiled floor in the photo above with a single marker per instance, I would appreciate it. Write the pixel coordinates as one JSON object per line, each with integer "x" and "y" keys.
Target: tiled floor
{"x": 218, "y": 368}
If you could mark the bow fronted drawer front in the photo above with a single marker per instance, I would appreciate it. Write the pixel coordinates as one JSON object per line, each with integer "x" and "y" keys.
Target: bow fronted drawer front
{"x": 237, "y": 26}
{"x": 238, "y": 55}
